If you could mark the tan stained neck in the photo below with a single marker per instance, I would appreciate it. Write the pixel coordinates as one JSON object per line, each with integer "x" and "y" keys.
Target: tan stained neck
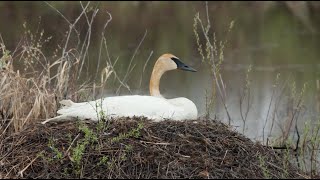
{"x": 157, "y": 72}
{"x": 163, "y": 64}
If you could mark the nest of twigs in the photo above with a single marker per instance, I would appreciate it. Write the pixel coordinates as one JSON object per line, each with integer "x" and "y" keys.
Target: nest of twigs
{"x": 138, "y": 148}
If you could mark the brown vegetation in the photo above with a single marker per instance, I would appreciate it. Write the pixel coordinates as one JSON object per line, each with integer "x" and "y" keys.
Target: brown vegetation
{"x": 138, "y": 148}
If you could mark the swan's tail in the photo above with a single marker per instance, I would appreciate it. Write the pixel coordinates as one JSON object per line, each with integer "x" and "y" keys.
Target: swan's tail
{"x": 61, "y": 118}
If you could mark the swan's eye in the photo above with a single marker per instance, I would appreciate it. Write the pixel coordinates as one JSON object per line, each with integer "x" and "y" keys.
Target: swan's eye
{"x": 174, "y": 59}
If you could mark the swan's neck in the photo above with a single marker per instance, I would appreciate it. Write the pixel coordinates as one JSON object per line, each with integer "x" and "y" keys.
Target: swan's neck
{"x": 155, "y": 82}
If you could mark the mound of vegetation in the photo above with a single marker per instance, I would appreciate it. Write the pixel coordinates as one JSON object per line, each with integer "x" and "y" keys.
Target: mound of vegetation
{"x": 138, "y": 148}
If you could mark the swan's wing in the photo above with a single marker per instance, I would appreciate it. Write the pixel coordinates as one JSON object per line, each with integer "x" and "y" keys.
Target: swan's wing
{"x": 151, "y": 107}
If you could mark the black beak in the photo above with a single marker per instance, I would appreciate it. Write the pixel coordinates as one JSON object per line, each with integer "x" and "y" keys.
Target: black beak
{"x": 182, "y": 66}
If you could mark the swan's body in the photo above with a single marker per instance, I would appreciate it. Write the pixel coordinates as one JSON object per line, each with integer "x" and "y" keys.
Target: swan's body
{"x": 154, "y": 107}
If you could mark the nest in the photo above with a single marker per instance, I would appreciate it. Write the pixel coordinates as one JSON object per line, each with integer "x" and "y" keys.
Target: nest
{"x": 138, "y": 148}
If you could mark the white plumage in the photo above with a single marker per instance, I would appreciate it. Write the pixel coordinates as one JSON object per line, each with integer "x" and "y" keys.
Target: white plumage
{"x": 154, "y": 107}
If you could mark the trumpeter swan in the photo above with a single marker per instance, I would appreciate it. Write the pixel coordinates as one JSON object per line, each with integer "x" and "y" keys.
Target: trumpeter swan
{"x": 154, "y": 107}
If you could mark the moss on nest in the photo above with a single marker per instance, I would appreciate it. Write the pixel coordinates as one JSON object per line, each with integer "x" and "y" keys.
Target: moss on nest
{"x": 138, "y": 148}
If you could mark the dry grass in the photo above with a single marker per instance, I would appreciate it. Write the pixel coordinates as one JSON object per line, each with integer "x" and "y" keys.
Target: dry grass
{"x": 31, "y": 93}
{"x": 306, "y": 152}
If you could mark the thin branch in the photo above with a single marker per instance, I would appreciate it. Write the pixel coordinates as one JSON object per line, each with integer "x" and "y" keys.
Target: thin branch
{"x": 101, "y": 42}
{"x": 144, "y": 67}
{"x": 134, "y": 54}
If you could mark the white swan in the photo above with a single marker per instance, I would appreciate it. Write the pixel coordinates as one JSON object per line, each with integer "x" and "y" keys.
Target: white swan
{"x": 154, "y": 107}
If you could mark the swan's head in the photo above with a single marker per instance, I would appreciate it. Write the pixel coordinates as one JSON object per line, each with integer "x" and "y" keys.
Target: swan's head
{"x": 168, "y": 62}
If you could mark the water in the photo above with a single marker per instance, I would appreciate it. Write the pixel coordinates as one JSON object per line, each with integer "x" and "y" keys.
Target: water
{"x": 272, "y": 41}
